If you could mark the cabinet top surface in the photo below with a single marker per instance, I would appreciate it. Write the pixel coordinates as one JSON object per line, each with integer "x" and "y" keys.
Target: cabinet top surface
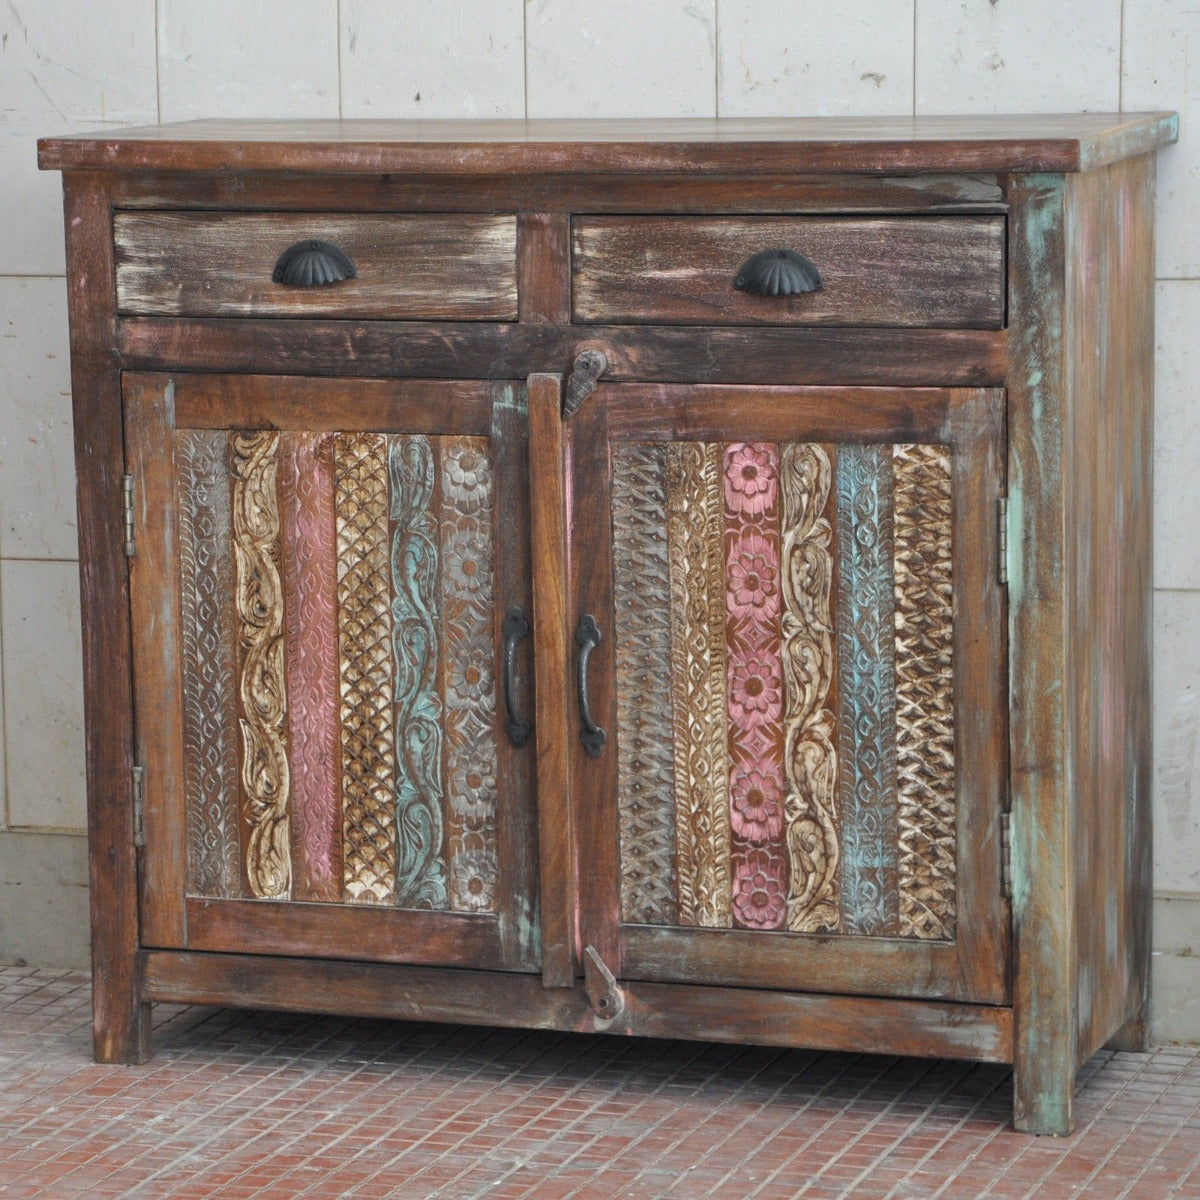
{"x": 1069, "y": 142}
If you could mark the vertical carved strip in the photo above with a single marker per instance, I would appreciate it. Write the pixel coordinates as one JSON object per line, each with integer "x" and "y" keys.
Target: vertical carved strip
{"x": 755, "y": 683}
{"x": 209, "y": 664}
{"x": 642, "y": 645}
{"x": 368, "y": 758}
{"x": 420, "y": 871}
{"x": 310, "y": 600}
{"x": 810, "y": 759}
{"x": 469, "y": 677}
{"x": 924, "y": 599}
{"x": 259, "y": 604}
{"x": 696, "y": 554}
{"x": 867, "y": 721}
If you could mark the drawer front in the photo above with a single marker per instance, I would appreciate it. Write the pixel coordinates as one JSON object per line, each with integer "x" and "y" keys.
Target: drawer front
{"x": 943, "y": 272}
{"x": 431, "y": 267}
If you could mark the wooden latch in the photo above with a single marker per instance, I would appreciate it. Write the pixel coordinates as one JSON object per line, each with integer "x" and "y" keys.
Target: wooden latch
{"x": 602, "y": 989}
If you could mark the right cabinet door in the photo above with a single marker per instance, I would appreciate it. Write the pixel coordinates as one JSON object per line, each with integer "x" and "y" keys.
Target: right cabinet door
{"x": 798, "y": 662}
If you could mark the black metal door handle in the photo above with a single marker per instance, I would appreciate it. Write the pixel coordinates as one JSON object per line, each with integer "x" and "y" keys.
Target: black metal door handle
{"x": 514, "y": 629}
{"x": 313, "y": 264}
{"x": 778, "y": 273}
{"x": 587, "y": 638}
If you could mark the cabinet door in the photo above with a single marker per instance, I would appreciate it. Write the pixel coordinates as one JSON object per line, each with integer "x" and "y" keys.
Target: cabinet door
{"x": 320, "y": 585}
{"x": 800, "y": 675}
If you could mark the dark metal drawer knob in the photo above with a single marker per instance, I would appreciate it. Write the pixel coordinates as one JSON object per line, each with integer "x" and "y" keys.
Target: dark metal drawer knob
{"x": 313, "y": 264}
{"x": 778, "y": 273}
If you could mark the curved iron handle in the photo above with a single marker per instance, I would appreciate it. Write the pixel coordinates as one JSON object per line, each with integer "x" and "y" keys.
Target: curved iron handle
{"x": 313, "y": 264}
{"x": 778, "y": 273}
{"x": 514, "y": 629}
{"x": 587, "y": 638}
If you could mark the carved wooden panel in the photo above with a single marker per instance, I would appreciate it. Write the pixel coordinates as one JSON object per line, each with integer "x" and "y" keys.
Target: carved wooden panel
{"x": 420, "y": 869}
{"x": 798, "y": 773}
{"x": 867, "y": 718}
{"x": 339, "y": 667}
{"x": 645, "y": 759}
{"x": 696, "y": 560}
{"x": 366, "y": 669}
{"x": 469, "y": 687}
{"x": 310, "y": 603}
{"x": 207, "y": 631}
{"x": 924, "y": 711}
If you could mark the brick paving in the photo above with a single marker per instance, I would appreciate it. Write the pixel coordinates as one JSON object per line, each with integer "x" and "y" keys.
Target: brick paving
{"x": 280, "y": 1107}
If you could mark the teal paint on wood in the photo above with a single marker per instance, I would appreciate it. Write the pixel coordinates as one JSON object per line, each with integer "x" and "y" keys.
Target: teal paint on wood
{"x": 1041, "y": 783}
{"x": 867, "y": 717}
{"x": 420, "y": 870}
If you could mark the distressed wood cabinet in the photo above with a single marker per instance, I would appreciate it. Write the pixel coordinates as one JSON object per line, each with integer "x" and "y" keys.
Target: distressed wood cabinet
{"x": 504, "y": 603}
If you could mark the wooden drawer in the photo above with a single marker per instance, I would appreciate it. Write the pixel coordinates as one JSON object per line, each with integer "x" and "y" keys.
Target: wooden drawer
{"x": 432, "y": 267}
{"x": 903, "y": 271}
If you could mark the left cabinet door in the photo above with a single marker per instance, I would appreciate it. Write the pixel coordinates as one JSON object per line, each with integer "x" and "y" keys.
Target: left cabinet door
{"x": 326, "y": 671}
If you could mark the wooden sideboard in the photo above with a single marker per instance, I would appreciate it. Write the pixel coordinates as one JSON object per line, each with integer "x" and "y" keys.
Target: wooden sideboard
{"x": 673, "y": 578}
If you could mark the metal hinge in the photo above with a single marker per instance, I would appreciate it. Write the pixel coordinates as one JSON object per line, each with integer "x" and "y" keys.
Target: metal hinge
{"x": 139, "y": 806}
{"x": 1006, "y": 855}
{"x": 127, "y": 494}
{"x": 1002, "y": 539}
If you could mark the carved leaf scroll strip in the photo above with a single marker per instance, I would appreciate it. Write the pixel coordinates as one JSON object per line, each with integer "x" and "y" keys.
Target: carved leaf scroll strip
{"x": 306, "y": 493}
{"x": 263, "y": 719}
{"x": 695, "y": 536}
{"x": 469, "y": 683}
{"x": 866, "y": 665}
{"x": 925, "y": 690}
{"x": 755, "y": 686}
{"x": 642, "y": 644}
{"x": 420, "y": 872}
{"x": 810, "y": 757}
{"x": 210, "y": 755}
{"x": 368, "y": 757}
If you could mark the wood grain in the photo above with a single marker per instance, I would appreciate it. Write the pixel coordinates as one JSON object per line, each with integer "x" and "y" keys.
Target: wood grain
{"x": 543, "y": 267}
{"x": 911, "y": 357}
{"x": 458, "y": 267}
{"x": 918, "y": 271}
{"x": 691, "y": 145}
{"x": 539, "y": 197}
{"x": 837, "y": 1023}
{"x": 548, "y": 553}
{"x": 120, "y": 1014}
{"x": 154, "y": 606}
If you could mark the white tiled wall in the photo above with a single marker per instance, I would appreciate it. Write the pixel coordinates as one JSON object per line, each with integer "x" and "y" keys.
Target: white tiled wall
{"x": 67, "y": 64}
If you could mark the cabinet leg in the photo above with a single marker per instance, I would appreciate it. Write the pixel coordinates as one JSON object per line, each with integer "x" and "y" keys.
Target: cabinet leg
{"x": 120, "y": 1019}
{"x": 1043, "y": 1097}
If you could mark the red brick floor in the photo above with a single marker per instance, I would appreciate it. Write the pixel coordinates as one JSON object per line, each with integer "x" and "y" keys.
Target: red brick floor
{"x": 283, "y": 1107}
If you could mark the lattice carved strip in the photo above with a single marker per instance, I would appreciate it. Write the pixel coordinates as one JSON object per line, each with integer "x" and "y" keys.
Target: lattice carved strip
{"x": 924, "y": 602}
{"x": 368, "y": 757}
{"x": 642, "y": 645}
{"x": 306, "y": 492}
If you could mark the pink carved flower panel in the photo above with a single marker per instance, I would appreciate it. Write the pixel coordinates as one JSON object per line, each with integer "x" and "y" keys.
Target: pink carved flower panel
{"x": 753, "y": 583}
{"x": 759, "y": 891}
{"x": 756, "y": 801}
{"x": 755, "y": 689}
{"x": 751, "y": 477}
